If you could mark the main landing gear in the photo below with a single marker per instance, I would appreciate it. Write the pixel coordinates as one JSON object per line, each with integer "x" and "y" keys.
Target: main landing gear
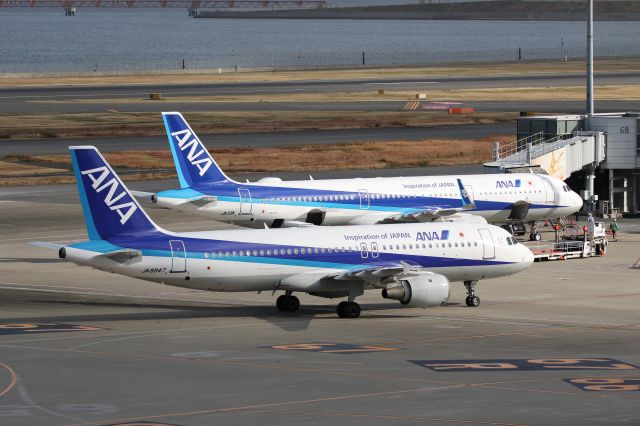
{"x": 471, "y": 300}
{"x": 287, "y": 303}
{"x": 348, "y": 310}
{"x": 351, "y": 309}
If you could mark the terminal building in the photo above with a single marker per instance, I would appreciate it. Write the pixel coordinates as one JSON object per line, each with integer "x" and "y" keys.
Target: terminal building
{"x": 598, "y": 155}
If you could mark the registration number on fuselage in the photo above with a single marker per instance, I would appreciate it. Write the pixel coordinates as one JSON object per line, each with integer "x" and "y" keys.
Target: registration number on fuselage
{"x": 154, "y": 270}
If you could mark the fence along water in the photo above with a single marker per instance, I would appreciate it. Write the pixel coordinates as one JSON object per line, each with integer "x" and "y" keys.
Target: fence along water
{"x": 322, "y": 60}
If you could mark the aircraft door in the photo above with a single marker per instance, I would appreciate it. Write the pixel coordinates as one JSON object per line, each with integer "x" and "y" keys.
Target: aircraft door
{"x": 363, "y": 250}
{"x": 364, "y": 199}
{"x": 245, "y": 201}
{"x": 178, "y": 256}
{"x": 374, "y": 250}
{"x": 488, "y": 247}
{"x": 551, "y": 194}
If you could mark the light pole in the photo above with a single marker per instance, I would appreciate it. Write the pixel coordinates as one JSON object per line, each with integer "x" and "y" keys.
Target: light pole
{"x": 590, "y": 109}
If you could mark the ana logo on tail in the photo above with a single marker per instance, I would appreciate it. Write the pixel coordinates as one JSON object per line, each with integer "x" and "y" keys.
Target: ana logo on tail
{"x": 98, "y": 176}
{"x": 194, "y": 157}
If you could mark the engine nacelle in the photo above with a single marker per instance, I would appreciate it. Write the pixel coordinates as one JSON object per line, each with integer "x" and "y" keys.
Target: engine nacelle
{"x": 420, "y": 291}
{"x": 462, "y": 217}
{"x": 270, "y": 179}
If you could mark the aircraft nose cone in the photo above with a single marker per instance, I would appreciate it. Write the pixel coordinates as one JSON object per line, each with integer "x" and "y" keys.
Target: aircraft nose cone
{"x": 527, "y": 257}
{"x": 577, "y": 200}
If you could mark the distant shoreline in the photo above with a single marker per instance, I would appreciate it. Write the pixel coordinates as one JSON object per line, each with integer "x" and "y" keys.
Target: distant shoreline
{"x": 495, "y": 10}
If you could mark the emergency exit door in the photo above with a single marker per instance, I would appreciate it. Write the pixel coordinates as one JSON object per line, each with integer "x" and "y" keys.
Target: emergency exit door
{"x": 364, "y": 199}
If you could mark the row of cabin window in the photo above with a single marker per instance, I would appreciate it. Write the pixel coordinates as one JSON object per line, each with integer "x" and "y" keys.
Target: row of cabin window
{"x": 351, "y": 197}
{"x": 431, "y": 245}
{"x": 316, "y": 250}
{"x": 526, "y": 191}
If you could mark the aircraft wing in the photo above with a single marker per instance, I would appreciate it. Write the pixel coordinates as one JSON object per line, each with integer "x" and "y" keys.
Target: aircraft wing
{"x": 372, "y": 275}
{"x": 199, "y": 201}
{"x": 425, "y": 215}
{"x": 430, "y": 213}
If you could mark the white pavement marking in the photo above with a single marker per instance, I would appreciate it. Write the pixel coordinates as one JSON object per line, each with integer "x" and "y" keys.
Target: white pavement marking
{"x": 404, "y": 82}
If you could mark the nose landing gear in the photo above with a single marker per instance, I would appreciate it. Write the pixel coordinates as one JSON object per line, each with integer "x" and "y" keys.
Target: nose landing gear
{"x": 472, "y": 300}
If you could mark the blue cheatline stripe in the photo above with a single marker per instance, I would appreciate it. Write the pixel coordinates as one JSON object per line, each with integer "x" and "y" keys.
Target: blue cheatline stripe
{"x": 103, "y": 247}
{"x": 86, "y": 210}
{"x": 481, "y": 206}
{"x": 263, "y": 196}
{"x": 260, "y": 260}
{"x": 176, "y": 159}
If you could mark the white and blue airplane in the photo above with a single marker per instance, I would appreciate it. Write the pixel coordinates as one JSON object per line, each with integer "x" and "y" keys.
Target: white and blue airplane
{"x": 410, "y": 263}
{"x": 206, "y": 190}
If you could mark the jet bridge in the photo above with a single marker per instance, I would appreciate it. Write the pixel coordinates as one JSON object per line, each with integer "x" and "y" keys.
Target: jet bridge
{"x": 559, "y": 156}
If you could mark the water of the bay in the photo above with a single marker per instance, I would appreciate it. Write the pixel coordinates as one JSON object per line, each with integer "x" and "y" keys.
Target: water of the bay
{"x": 41, "y": 40}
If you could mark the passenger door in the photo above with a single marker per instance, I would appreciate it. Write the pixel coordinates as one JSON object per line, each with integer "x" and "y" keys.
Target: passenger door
{"x": 488, "y": 247}
{"x": 551, "y": 196}
{"x": 178, "y": 256}
{"x": 245, "y": 201}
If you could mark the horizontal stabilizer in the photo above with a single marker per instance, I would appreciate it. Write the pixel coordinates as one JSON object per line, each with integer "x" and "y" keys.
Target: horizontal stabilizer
{"x": 47, "y": 245}
{"x": 142, "y": 194}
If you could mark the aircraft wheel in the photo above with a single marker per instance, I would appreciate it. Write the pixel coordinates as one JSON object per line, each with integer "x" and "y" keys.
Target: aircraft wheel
{"x": 293, "y": 304}
{"x": 281, "y": 303}
{"x": 467, "y": 301}
{"x": 474, "y": 301}
{"x": 286, "y": 303}
{"x": 348, "y": 310}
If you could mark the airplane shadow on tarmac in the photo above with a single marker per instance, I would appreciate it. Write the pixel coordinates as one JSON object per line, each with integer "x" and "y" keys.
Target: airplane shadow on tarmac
{"x": 156, "y": 312}
{"x": 286, "y": 321}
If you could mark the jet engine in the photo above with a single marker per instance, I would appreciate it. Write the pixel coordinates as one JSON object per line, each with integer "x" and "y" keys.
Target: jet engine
{"x": 270, "y": 179}
{"x": 462, "y": 217}
{"x": 420, "y": 291}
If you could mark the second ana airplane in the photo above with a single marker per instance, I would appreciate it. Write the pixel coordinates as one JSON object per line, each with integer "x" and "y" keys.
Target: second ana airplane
{"x": 206, "y": 190}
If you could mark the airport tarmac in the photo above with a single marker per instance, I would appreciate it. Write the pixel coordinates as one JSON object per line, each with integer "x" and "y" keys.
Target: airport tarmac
{"x": 59, "y": 99}
{"x": 557, "y": 344}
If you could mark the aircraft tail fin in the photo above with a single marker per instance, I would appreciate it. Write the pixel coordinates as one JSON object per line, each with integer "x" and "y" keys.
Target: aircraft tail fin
{"x": 194, "y": 163}
{"x": 109, "y": 208}
{"x": 467, "y": 201}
